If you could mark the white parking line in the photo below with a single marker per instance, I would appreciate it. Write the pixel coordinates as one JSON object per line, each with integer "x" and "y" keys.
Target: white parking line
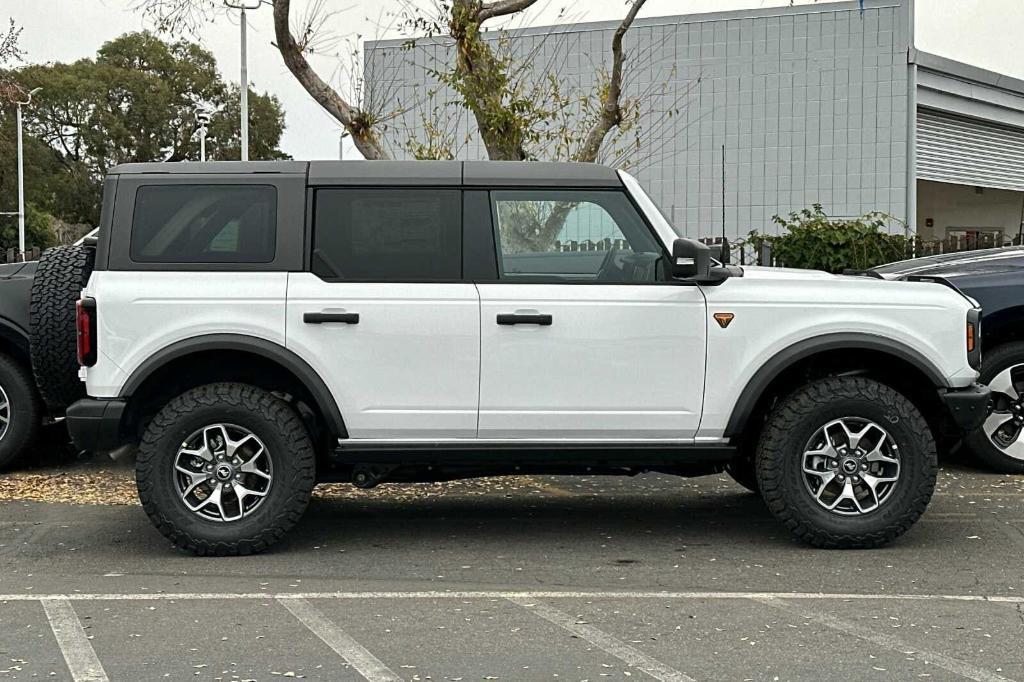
{"x": 483, "y": 594}
{"x": 882, "y": 639}
{"x": 602, "y": 640}
{"x": 74, "y": 645}
{"x": 368, "y": 665}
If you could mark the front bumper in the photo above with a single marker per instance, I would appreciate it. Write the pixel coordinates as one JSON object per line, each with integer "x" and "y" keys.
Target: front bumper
{"x": 95, "y": 425}
{"x": 969, "y": 406}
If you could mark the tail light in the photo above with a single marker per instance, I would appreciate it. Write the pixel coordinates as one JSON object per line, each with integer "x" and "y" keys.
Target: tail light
{"x": 85, "y": 323}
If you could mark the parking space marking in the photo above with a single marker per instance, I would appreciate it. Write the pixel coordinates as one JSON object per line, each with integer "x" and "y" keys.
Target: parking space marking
{"x": 510, "y": 594}
{"x": 602, "y": 640}
{"x": 368, "y": 665}
{"x": 81, "y": 659}
{"x": 881, "y": 639}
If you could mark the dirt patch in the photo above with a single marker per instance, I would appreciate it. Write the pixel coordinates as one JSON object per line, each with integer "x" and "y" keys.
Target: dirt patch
{"x": 114, "y": 484}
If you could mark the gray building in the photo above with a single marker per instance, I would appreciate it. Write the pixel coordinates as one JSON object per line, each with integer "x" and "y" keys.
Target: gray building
{"x": 823, "y": 103}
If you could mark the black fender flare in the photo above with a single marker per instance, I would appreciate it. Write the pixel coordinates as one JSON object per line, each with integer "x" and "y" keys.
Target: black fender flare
{"x": 268, "y": 349}
{"x": 14, "y": 337}
{"x": 801, "y": 350}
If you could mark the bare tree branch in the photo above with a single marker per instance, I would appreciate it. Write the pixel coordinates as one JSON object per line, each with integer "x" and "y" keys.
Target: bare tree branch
{"x": 502, "y": 8}
{"x": 357, "y": 122}
{"x": 10, "y": 52}
{"x": 611, "y": 111}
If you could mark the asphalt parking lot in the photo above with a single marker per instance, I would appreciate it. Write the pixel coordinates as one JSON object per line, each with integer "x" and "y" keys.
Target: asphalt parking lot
{"x": 513, "y": 579}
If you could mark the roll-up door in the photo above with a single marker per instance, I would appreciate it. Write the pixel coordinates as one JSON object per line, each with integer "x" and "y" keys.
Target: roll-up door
{"x": 969, "y": 152}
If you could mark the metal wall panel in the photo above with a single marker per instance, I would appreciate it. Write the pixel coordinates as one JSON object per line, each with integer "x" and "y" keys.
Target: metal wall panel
{"x": 809, "y": 101}
{"x": 969, "y": 152}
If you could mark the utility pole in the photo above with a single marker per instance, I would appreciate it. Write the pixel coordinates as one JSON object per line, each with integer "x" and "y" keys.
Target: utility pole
{"x": 244, "y": 5}
{"x": 21, "y": 177}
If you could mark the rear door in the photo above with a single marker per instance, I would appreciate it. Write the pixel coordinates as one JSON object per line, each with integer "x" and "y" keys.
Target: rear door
{"x": 581, "y": 335}
{"x": 384, "y": 314}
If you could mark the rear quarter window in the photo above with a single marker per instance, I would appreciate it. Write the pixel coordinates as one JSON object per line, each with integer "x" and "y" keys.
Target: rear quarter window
{"x": 204, "y": 224}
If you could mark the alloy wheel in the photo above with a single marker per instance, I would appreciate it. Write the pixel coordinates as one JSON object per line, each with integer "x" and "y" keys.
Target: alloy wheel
{"x": 851, "y": 466}
{"x": 5, "y": 413}
{"x": 223, "y": 472}
{"x": 1005, "y": 425}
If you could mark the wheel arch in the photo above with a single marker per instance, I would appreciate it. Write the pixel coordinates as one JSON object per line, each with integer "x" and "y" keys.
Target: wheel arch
{"x": 255, "y": 354}
{"x": 843, "y": 352}
{"x": 14, "y": 341}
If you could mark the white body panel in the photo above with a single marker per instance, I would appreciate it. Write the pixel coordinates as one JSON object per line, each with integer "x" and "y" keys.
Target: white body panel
{"x": 409, "y": 369}
{"x": 618, "y": 361}
{"x": 776, "y": 308}
{"x": 141, "y": 313}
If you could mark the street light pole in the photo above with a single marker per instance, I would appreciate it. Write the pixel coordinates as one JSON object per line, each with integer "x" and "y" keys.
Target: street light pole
{"x": 21, "y": 177}
{"x": 244, "y": 5}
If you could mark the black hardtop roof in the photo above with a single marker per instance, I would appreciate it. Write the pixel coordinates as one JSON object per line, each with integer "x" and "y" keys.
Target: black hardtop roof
{"x": 434, "y": 173}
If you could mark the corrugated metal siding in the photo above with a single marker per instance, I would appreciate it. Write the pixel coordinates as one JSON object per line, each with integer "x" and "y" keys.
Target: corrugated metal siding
{"x": 966, "y": 152}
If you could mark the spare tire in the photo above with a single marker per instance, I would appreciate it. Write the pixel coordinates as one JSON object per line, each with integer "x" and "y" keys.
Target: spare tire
{"x": 62, "y": 274}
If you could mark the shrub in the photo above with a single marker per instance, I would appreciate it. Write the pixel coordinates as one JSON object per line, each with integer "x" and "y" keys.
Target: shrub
{"x": 814, "y": 240}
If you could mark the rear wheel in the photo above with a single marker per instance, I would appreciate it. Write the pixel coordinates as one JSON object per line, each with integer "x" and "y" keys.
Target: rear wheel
{"x": 847, "y": 462}
{"x": 21, "y": 411}
{"x": 225, "y": 469}
{"x": 999, "y": 443}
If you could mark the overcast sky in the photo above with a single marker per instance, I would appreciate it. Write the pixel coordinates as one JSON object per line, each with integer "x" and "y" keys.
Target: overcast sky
{"x": 986, "y": 33}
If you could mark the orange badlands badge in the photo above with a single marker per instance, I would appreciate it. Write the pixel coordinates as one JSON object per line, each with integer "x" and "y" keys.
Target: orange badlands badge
{"x": 723, "y": 319}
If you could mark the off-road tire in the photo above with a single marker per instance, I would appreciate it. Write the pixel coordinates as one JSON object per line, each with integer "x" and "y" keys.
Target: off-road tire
{"x": 977, "y": 442}
{"x": 62, "y": 273}
{"x": 25, "y": 410}
{"x": 792, "y": 424}
{"x": 274, "y": 422}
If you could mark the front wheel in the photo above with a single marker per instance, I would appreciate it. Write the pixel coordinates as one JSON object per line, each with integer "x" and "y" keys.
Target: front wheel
{"x": 225, "y": 469}
{"x": 847, "y": 462}
{"x": 999, "y": 443}
{"x": 21, "y": 411}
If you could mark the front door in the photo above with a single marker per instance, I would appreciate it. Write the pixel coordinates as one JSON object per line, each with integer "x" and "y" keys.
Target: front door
{"x": 384, "y": 317}
{"x": 581, "y": 337}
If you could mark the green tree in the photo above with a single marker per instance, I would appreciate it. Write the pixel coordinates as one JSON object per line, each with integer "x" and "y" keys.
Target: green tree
{"x": 134, "y": 102}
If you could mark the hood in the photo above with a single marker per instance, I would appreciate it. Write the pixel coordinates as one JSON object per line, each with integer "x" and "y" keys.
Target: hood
{"x": 763, "y": 272}
{"x": 985, "y": 261}
{"x": 8, "y": 270}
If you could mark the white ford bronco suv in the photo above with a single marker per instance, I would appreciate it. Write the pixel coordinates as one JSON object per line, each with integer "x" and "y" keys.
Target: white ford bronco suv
{"x": 258, "y": 327}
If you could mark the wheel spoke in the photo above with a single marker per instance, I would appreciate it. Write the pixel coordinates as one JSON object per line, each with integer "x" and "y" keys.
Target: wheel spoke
{"x": 202, "y": 453}
{"x": 998, "y": 422}
{"x": 251, "y": 468}
{"x": 244, "y": 493}
{"x": 847, "y": 494}
{"x": 1003, "y": 383}
{"x": 194, "y": 476}
{"x": 234, "y": 446}
{"x": 826, "y": 479}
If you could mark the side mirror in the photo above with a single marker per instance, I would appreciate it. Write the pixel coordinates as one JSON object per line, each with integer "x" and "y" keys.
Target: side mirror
{"x": 690, "y": 259}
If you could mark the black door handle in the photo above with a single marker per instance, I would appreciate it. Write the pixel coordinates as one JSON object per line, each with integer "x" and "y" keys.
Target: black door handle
{"x": 516, "y": 318}
{"x": 321, "y": 318}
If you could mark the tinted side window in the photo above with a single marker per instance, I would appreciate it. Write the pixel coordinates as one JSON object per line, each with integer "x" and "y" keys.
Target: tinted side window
{"x": 396, "y": 235}
{"x": 204, "y": 224}
{"x": 569, "y": 235}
